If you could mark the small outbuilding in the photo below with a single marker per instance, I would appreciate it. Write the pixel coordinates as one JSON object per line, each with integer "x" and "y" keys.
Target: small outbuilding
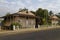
{"x": 54, "y": 19}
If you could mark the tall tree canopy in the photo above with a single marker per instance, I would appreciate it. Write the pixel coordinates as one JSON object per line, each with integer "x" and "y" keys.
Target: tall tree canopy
{"x": 50, "y": 13}
{"x": 43, "y": 14}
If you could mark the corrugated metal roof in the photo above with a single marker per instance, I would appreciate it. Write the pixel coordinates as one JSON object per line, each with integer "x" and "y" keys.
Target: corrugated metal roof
{"x": 21, "y": 14}
{"x": 24, "y": 13}
{"x": 55, "y": 17}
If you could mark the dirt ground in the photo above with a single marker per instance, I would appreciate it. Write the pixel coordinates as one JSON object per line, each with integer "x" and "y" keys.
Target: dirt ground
{"x": 52, "y": 34}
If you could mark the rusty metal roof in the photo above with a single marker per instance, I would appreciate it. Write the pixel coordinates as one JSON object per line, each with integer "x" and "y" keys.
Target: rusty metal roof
{"x": 21, "y": 14}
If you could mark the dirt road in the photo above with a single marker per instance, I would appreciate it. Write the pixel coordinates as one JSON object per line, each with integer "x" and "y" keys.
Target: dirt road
{"x": 37, "y": 35}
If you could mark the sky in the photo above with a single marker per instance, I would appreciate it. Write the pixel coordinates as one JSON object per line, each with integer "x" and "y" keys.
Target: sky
{"x": 13, "y": 6}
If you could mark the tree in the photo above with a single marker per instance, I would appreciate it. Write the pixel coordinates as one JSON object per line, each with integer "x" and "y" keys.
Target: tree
{"x": 8, "y": 13}
{"x": 39, "y": 12}
{"x": 50, "y": 13}
{"x": 49, "y": 17}
{"x": 24, "y": 9}
{"x": 45, "y": 18}
{"x": 43, "y": 14}
{"x": 39, "y": 15}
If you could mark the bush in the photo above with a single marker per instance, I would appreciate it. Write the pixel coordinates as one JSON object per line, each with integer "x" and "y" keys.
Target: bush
{"x": 16, "y": 24}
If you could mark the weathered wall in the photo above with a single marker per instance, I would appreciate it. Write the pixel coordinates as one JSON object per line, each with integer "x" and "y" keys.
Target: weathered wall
{"x": 30, "y": 22}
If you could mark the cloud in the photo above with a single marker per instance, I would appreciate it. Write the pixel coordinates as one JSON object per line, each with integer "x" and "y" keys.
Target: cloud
{"x": 50, "y": 5}
{"x": 14, "y": 5}
{"x": 42, "y": 0}
{"x": 6, "y": 6}
{"x": 28, "y": 1}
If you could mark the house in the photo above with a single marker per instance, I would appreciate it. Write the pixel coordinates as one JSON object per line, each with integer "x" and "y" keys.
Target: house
{"x": 54, "y": 19}
{"x": 21, "y": 19}
{"x": 0, "y": 25}
{"x": 1, "y": 22}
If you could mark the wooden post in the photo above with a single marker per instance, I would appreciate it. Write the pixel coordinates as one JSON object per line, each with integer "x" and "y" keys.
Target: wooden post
{"x": 10, "y": 23}
{"x": 14, "y": 22}
{"x": 0, "y": 25}
{"x": 25, "y": 21}
{"x": 52, "y": 23}
{"x": 10, "y": 19}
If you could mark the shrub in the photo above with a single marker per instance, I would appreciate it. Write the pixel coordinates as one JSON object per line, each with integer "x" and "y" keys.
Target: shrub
{"x": 16, "y": 24}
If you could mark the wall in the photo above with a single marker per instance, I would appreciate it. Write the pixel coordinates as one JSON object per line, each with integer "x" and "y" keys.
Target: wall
{"x": 30, "y": 22}
{"x": 0, "y": 25}
{"x": 26, "y": 23}
{"x": 54, "y": 22}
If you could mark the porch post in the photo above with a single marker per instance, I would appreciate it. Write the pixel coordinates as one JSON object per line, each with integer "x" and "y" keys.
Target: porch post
{"x": 14, "y": 22}
{"x": 13, "y": 19}
{"x": 0, "y": 25}
{"x": 52, "y": 23}
{"x": 10, "y": 23}
{"x": 6, "y": 23}
{"x": 25, "y": 21}
{"x": 10, "y": 20}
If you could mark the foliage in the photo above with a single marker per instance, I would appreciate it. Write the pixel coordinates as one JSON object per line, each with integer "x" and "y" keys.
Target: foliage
{"x": 24, "y": 9}
{"x": 49, "y": 17}
{"x": 7, "y": 14}
{"x": 50, "y": 13}
{"x": 43, "y": 14}
{"x": 16, "y": 24}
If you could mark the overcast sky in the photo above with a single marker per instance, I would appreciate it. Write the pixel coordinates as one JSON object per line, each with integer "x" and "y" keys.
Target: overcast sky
{"x": 14, "y": 5}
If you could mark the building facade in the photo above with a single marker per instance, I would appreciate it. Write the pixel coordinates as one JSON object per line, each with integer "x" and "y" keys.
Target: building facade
{"x": 19, "y": 20}
{"x": 55, "y": 20}
{"x": 1, "y": 22}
